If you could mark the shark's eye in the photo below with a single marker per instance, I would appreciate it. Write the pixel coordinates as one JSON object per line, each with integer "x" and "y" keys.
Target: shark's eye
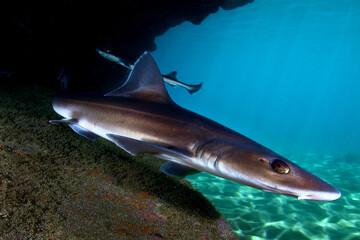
{"x": 280, "y": 166}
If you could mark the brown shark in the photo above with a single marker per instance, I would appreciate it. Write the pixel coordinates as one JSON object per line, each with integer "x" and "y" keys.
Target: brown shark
{"x": 140, "y": 117}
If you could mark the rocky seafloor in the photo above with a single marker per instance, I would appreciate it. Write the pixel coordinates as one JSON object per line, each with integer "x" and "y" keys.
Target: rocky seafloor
{"x": 55, "y": 184}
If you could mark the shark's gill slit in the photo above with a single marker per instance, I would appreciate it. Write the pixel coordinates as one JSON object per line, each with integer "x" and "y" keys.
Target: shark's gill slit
{"x": 216, "y": 162}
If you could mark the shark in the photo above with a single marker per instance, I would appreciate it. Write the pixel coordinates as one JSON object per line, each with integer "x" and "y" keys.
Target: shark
{"x": 170, "y": 78}
{"x": 140, "y": 117}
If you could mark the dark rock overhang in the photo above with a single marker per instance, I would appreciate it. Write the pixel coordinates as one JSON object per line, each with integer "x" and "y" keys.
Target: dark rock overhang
{"x": 40, "y": 38}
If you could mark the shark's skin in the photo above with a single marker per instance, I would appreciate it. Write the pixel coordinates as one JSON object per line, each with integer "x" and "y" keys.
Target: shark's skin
{"x": 140, "y": 117}
{"x": 170, "y": 78}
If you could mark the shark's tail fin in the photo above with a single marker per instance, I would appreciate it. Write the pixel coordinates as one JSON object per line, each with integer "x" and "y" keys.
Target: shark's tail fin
{"x": 171, "y": 79}
{"x": 193, "y": 88}
{"x": 172, "y": 75}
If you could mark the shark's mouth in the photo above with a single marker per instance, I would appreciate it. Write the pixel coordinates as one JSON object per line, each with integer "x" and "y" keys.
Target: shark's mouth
{"x": 306, "y": 195}
{"x": 279, "y": 191}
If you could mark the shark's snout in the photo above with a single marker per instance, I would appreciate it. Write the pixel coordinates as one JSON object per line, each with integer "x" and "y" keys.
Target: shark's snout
{"x": 304, "y": 186}
{"x": 273, "y": 173}
{"x": 329, "y": 195}
{"x": 311, "y": 187}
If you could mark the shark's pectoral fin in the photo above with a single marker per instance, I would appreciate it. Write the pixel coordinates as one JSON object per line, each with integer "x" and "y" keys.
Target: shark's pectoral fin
{"x": 68, "y": 121}
{"x": 135, "y": 147}
{"x": 84, "y": 132}
{"x": 177, "y": 170}
{"x": 79, "y": 130}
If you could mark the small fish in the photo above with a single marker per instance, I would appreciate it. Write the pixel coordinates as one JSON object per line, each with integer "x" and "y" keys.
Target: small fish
{"x": 170, "y": 78}
{"x": 140, "y": 117}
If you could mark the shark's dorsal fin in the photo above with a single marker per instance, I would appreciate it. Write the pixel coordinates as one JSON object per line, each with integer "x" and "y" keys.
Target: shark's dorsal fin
{"x": 145, "y": 82}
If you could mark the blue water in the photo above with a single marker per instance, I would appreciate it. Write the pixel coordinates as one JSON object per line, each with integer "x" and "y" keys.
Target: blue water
{"x": 286, "y": 74}
{"x": 281, "y": 72}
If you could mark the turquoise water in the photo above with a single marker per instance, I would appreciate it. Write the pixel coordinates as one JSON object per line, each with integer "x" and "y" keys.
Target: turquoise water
{"x": 286, "y": 74}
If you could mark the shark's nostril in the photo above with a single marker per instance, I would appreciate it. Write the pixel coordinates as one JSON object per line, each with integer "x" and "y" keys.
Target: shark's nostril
{"x": 262, "y": 160}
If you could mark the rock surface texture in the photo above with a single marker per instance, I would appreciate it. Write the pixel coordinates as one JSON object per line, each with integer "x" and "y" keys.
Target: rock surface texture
{"x": 55, "y": 184}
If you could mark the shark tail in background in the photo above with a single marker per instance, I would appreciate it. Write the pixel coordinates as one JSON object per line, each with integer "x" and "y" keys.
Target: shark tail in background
{"x": 171, "y": 79}
{"x": 193, "y": 88}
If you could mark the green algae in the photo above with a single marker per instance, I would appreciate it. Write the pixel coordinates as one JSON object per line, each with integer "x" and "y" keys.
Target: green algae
{"x": 55, "y": 184}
